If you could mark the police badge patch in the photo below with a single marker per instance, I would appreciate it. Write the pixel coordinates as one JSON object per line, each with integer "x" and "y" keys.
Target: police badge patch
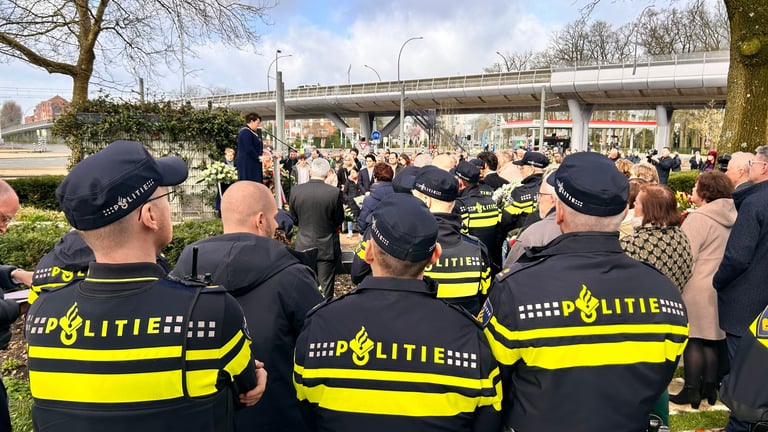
{"x": 485, "y": 314}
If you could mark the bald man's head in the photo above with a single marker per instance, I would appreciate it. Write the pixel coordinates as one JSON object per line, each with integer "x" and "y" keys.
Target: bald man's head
{"x": 444, "y": 161}
{"x": 249, "y": 207}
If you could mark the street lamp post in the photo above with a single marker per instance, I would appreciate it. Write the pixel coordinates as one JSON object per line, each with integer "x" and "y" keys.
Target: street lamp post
{"x": 277, "y": 56}
{"x": 374, "y": 71}
{"x": 640, "y": 18}
{"x": 402, "y": 92}
{"x": 506, "y": 63}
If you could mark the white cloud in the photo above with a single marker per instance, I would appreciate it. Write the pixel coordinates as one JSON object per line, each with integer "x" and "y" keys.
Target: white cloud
{"x": 325, "y": 38}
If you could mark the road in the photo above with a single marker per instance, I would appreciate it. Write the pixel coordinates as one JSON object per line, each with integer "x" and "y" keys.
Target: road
{"x": 23, "y": 161}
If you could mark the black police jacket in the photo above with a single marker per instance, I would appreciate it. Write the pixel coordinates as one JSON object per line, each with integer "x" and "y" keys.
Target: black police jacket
{"x": 480, "y": 218}
{"x": 126, "y": 349}
{"x": 276, "y": 291}
{"x": 389, "y": 356}
{"x": 524, "y": 202}
{"x": 744, "y": 389}
{"x": 588, "y": 337}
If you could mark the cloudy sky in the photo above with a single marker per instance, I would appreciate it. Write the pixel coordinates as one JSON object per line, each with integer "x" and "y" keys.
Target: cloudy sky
{"x": 325, "y": 38}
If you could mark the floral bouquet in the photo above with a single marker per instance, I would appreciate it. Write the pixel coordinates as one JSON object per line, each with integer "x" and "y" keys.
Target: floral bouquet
{"x": 218, "y": 173}
{"x": 684, "y": 204}
{"x": 503, "y": 195}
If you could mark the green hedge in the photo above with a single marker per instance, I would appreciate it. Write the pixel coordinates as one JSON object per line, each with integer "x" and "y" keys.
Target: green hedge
{"x": 682, "y": 181}
{"x": 25, "y": 243}
{"x": 189, "y": 232}
{"x": 37, "y": 192}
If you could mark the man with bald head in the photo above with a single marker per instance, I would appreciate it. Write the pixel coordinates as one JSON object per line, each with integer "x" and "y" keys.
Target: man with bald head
{"x": 738, "y": 170}
{"x": 444, "y": 161}
{"x": 274, "y": 289}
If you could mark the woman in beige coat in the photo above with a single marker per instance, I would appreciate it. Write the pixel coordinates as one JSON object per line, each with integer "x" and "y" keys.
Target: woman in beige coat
{"x": 707, "y": 229}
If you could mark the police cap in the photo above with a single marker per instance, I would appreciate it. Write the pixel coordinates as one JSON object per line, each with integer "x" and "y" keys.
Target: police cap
{"x": 589, "y": 183}
{"x": 404, "y": 228}
{"x": 534, "y": 159}
{"x": 467, "y": 172}
{"x": 111, "y": 183}
{"x": 403, "y": 181}
{"x": 436, "y": 183}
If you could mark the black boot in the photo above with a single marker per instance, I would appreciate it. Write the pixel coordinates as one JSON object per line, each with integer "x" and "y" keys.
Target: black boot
{"x": 709, "y": 392}
{"x": 688, "y": 395}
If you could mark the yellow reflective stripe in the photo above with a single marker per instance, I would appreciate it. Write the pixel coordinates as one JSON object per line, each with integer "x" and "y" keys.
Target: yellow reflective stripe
{"x": 394, "y": 376}
{"x": 241, "y": 361}
{"x": 588, "y": 330}
{"x": 202, "y": 382}
{"x": 518, "y": 208}
{"x": 601, "y": 354}
{"x": 144, "y": 279}
{"x": 753, "y": 330}
{"x": 482, "y": 223}
{"x": 453, "y": 290}
{"x": 215, "y": 353}
{"x": 106, "y": 388}
{"x": 389, "y": 402}
{"x": 33, "y": 294}
{"x": 81, "y": 354}
{"x": 453, "y": 275}
{"x": 503, "y": 354}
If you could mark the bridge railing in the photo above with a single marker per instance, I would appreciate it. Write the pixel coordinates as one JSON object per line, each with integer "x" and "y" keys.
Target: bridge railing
{"x": 536, "y": 76}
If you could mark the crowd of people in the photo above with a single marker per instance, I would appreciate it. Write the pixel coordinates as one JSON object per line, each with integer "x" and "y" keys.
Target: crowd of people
{"x": 515, "y": 290}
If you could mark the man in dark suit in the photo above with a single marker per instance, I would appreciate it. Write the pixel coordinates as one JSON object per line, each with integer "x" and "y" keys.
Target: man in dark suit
{"x": 365, "y": 175}
{"x": 249, "y": 150}
{"x": 318, "y": 210}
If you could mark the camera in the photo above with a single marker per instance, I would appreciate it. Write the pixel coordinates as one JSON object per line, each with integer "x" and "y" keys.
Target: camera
{"x": 651, "y": 153}
{"x": 722, "y": 162}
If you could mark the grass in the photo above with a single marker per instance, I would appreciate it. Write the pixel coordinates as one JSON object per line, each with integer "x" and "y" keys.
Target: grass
{"x": 698, "y": 420}
{"x": 19, "y": 404}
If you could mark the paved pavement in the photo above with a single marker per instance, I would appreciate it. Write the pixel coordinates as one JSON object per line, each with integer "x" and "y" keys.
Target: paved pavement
{"x": 24, "y": 161}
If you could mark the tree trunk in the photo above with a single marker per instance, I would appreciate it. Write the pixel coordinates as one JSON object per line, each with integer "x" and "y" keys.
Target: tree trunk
{"x": 746, "y": 115}
{"x": 80, "y": 88}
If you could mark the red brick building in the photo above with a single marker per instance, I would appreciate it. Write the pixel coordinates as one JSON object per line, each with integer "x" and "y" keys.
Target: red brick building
{"x": 48, "y": 110}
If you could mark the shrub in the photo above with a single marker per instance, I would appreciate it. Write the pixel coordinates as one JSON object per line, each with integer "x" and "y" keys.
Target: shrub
{"x": 25, "y": 243}
{"x": 189, "y": 232}
{"x": 682, "y": 181}
{"x": 32, "y": 214}
{"x": 38, "y": 191}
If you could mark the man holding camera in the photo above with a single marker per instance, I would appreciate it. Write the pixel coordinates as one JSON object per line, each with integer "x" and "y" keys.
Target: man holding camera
{"x": 663, "y": 165}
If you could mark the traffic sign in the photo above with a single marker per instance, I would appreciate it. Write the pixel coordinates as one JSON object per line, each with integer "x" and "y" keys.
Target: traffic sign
{"x": 363, "y": 145}
{"x": 375, "y": 135}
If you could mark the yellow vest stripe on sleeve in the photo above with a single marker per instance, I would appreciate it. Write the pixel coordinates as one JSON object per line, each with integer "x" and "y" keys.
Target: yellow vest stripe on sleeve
{"x": 106, "y": 388}
{"x": 216, "y": 353}
{"x": 242, "y": 360}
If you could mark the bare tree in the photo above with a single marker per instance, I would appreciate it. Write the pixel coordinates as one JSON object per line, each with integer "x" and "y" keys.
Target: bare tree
{"x": 10, "y": 114}
{"x": 84, "y": 39}
{"x": 684, "y": 30}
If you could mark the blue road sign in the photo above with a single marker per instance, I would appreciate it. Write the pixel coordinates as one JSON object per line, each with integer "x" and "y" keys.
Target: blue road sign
{"x": 375, "y": 135}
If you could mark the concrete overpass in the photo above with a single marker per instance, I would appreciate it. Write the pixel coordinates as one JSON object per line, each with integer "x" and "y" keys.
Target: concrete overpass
{"x": 661, "y": 83}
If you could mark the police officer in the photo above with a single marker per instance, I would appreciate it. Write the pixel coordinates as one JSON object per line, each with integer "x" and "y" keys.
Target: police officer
{"x": 67, "y": 262}
{"x": 524, "y": 197}
{"x": 578, "y": 322}
{"x": 479, "y": 213}
{"x": 275, "y": 290}
{"x": 389, "y": 355}
{"x": 463, "y": 271}
{"x": 744, "y": 390}
{"x": 127, "y": 348}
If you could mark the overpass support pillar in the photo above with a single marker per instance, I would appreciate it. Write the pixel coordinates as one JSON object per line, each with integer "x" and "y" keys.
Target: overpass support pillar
{"x": 342, "y": 125}
{"x": 580, "y": 113}
{"x": 366, "y": 125}
{"x": 663, "y": 118}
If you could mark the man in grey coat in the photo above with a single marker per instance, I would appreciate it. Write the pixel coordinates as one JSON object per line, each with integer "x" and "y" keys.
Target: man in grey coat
{"x": 541, "y": 232}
